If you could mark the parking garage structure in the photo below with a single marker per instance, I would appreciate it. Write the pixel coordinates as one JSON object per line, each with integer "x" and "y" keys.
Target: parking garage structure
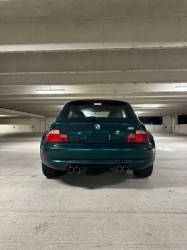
{"x": 59, "y": 51}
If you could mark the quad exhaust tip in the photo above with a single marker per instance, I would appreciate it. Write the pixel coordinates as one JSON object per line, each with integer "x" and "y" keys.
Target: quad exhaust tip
{"x": 122, "y": 168}
{"x": 125, "y": 168}
{"x": 71, "y": 170}
{"x": 119, "y": 168}
{"x": 77, "y": 170}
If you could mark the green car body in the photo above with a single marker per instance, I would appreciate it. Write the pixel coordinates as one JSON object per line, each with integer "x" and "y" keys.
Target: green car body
{"x": 106, "y": 146}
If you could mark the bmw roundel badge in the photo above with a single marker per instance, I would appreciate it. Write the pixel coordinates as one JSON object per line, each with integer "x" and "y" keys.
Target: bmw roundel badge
{"x": 97, "y": 126}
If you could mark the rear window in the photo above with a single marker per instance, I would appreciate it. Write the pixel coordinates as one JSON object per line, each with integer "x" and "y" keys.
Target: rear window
{"x": 110, "y": 110}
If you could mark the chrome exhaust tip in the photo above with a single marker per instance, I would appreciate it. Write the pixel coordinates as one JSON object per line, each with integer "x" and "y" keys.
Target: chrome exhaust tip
{"x": 71, "y": 170}
{"x": 125, "y": 168}
{"x": 77, "y": 170}
{"x": 119, "y": 168}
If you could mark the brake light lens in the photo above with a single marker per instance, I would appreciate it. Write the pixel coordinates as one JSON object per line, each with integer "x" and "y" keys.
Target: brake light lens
{"x": 140, "y": 136}
{"x": 96, "y": 101}
{"x": 131, "y": 138}
{"x": 54, "y": 135}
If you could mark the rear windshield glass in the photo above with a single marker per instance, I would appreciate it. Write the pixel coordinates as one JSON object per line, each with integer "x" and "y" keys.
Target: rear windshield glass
{"x": 97, "y": 110}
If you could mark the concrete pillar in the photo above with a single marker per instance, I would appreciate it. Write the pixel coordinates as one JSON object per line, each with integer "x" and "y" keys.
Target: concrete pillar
{"x": 167, "y": 121}
{"x": 174, "y": 122}
{"x": 170, "y": 122}
{"x": 38, "y": 123}
{"x": 49, "y": 121}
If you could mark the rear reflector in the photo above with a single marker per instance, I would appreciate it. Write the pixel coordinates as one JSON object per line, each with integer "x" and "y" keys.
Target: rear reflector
{"x": 140, "y": 136}
{"x": 54, "y": 135}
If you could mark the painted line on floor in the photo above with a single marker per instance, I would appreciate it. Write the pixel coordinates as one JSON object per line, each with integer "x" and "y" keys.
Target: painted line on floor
{"x": 19, "y": 139}
{"x": 4, "y": 150}
{"x": 165, "y": 149}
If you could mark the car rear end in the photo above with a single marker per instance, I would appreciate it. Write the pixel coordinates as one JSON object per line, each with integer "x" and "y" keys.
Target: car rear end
{"x": 97, "y": 133}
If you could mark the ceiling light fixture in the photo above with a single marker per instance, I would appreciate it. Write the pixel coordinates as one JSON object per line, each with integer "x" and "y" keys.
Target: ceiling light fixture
{"x": 150, "y": 106}
{"x": 50, "y": 91}
{"x": 181, "y": 87}
{"x": 8, "y": 115}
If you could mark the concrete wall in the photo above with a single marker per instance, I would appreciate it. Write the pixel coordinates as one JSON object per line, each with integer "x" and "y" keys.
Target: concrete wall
{"x": 38, "y": 123}
{"x": 15, "y": 120}
{"x": 49, "y": 121}
{"x": 156, "y": 128}
{"x": 169, "y": 125}
{"x": 14, "y": 124}
{"x": 181, "y": 128}
{"x": 5, "y": 128}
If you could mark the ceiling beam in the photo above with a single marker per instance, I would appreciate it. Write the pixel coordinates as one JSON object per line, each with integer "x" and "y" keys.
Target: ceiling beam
{"x": 16, "y": 112}
{"x": 116, "y": 60}
{"x": 89, "y": 78}
{"x": 95, "y": 95}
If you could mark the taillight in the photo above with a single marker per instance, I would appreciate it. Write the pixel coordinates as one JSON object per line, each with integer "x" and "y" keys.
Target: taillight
{"x": 131, "y": 138}
{"x": 54, "y": 135}
{"x": 140, "y": 136}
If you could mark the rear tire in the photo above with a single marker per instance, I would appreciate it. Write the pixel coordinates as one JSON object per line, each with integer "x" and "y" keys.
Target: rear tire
{"x": 146, "y": 172}
{"x": 50, "y": 172}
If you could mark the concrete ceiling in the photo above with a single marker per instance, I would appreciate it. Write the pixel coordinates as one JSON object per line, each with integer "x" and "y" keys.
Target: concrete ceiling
{"x": 131, "y": 50}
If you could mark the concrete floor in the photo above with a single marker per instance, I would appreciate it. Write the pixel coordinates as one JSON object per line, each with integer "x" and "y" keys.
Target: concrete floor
{"x": 92, "y": 210}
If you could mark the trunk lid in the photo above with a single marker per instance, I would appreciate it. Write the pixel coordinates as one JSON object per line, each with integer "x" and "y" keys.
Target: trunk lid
{"x": 97, "y": 130}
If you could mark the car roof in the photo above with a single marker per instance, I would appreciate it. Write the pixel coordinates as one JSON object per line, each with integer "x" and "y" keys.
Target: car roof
{"x": 97, "y": 100}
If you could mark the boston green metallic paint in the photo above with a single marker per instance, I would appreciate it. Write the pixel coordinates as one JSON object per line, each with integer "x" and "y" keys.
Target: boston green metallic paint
{"x": 88, "y": 146}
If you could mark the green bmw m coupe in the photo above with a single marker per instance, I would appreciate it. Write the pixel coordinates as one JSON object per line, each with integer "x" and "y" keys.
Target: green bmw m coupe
{"x": 97, "y": 133}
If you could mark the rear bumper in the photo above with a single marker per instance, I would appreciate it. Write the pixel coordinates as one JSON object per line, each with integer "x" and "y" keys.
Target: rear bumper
{"x": 59, "y": 156}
